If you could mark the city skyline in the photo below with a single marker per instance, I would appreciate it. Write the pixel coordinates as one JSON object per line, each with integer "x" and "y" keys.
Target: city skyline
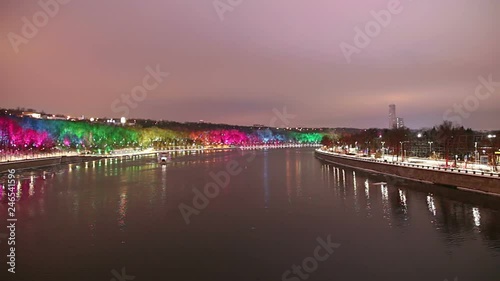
{"x": 227, "y": 69}
{"x": 394, "y": 123}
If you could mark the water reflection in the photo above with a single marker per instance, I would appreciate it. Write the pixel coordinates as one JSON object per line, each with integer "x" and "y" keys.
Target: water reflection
{"x": 109, "y": 207}
{"x": 477, "y": 216}
{"x": 31, "y": 191}
{"x": 298, "y": 182}
{"x": 431, "y": 205}
{"x": 450, "y": 212}
{"x": 163, "y": 182}
{"x": 288, "y": 176}
{"x": 368, "y": 203}
{"x": 386, "y": 209}
{"x": 122, "y": 209}
{"x": 266, "y": 181}
{"x": 402, "y": 200}
{"x": 355, "y": 188}
{"x": 367, "y": 189}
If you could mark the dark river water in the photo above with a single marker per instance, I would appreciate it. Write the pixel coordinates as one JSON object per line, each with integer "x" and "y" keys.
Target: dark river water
{"x": 283, "y": 215}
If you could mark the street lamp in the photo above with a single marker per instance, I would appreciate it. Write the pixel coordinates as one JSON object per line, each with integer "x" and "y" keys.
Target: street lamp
{"x": 476, "y": 154}
{"x": 493, "y": 162}
{"x": 430, "y": 147}
{"x": 402, "y": 159}
{"x": 402, "y": 151}
{"x": 383, "y": 149}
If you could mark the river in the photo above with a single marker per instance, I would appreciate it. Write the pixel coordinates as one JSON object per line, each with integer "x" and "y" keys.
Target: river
{"x": 120, "y": 219}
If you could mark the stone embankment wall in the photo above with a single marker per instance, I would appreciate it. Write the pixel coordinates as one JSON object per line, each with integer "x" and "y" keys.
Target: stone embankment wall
{"x": 44, "y": 162}
{"x": 476, "y": 181}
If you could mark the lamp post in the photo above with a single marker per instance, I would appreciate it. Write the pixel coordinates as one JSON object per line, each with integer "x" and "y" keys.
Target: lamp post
{"x": 383, "y": 149}
{"x": 430, "y": 148}
{"x": 476, "y": 155}
{"x": 418, "y": 150}
{"x": 402, "y": 159}
{"x": 402, "y": 151}
{"x": 493, "y": 162}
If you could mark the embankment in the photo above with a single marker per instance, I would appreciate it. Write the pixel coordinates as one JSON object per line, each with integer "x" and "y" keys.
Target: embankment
{"x": 44, "y": 162}
{"x": 464, "y": 179}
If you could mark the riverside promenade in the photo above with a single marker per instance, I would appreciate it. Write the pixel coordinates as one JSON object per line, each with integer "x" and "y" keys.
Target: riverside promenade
{"x": 45, "y": 160}
{"x": 477, "y": 181}
{"x": 52, "y": 159}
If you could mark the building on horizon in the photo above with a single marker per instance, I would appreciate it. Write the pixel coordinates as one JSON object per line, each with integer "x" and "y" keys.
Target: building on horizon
{"x": 392, "y": 117}
{"x": 400, "y": 123}
{"x": 395, "y": 122}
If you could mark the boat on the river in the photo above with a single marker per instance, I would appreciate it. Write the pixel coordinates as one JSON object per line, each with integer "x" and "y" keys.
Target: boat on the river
{"x": 164, "y": 158}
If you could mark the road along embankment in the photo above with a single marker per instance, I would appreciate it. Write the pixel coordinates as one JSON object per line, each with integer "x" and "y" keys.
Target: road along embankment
{"x": 482, "y": 182}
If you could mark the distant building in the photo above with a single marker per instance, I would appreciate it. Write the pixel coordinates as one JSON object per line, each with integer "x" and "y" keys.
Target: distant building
{"x": 400, "y": 123}
{"x": 395, "y": 122}
{"x": 392, "y": 117}
{"x": 57, "y": 117}
{"x": 32, "y": 114}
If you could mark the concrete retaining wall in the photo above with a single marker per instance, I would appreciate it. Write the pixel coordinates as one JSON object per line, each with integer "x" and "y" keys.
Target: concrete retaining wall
{"x": 479, "y": 182}
{"x": 44, "y": 162}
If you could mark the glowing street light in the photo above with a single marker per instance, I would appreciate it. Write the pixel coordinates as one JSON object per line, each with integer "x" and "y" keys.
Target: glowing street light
{"x": 493, "y": 164}
{"x": 402, "y": 159}
{"x": 402, "y": 151}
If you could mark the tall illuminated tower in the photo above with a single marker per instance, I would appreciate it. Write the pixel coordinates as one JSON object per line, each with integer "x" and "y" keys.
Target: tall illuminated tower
{"x": 392, "y": 117}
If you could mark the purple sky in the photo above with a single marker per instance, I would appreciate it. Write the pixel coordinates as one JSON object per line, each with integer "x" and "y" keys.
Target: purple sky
{"x": 263, "y": 55}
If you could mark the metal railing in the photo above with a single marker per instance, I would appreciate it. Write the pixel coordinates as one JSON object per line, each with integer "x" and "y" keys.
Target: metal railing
{"x": 424, "y": 167}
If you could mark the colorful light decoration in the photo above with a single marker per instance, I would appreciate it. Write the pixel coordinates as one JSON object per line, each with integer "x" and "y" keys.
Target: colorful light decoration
{"x": 40, "y": 134}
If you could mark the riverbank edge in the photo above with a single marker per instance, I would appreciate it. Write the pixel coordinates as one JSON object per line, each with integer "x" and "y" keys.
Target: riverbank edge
{"x": 489, "y": 185}
{"x": 46, "y": 162}
{"x": 74, "y": 159}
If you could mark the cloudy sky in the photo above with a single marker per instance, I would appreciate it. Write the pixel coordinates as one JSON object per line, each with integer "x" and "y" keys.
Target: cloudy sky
{"x": 236, "y": 66}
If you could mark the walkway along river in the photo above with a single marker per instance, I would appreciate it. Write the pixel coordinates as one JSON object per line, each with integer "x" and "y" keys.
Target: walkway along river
{"x": 484, "y": 182}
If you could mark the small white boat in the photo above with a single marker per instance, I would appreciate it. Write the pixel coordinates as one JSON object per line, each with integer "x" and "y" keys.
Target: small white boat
{"x": 379, "y": 183}
{"x": 164, "y": 158}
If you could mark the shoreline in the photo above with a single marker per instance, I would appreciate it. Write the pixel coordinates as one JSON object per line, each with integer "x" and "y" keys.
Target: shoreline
{"x": 71, "y": 158}
{"x": 479, "y": 182}
{"x": 41, "y": 162}
{"x": 45, "y": 162}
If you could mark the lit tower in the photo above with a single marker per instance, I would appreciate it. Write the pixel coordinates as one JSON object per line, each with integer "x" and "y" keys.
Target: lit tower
{"x": 400, "y": 122}
{"x": 393, "y": 122}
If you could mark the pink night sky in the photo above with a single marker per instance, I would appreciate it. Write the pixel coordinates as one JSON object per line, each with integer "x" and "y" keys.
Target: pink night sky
{"x": 263, "y": 55}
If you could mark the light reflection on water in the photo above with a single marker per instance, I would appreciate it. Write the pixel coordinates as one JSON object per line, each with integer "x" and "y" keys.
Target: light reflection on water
{"x": 122, "y": 209}
{"x": 477, "y": 216}
{"x": 431, "y": 205}
{"x": 32, "y": 184}
{"x": 440, "y": 209}
{"x": 132, "y": 202}
{"x": 266, "y": 181}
